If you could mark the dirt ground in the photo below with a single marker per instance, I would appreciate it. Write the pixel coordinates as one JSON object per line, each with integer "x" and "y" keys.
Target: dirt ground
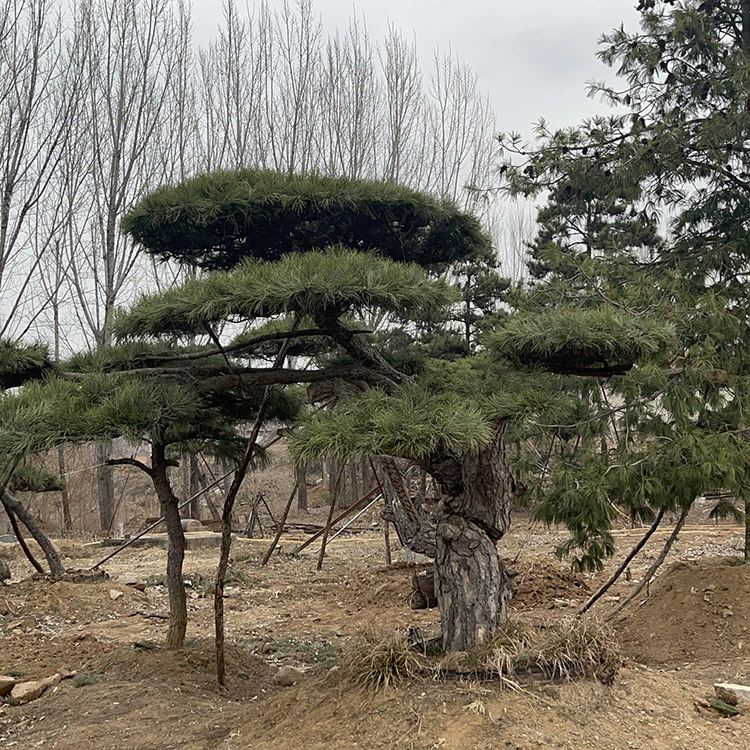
{"x": 687, "y": 632}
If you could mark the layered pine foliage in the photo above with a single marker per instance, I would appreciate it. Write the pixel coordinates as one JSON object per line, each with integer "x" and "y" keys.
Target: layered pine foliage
{"x": 334, "y": 282}
{"x": 217, "y": 220}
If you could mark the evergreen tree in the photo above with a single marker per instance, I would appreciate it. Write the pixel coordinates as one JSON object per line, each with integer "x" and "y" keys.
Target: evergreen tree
{"x": 451, "y": 418}
{"x": 656, "y": 438}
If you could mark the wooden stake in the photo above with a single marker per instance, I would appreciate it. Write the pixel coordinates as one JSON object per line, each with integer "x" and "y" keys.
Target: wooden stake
{"x": 327, "y": 528}
{"x": 638, "y": 547}
{"x": 652, "y": 570}
{"x": 282, "y": 521}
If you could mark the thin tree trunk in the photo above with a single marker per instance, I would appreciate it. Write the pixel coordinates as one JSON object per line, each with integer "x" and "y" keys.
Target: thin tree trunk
{"x": 282, "y": 521}
{"x": 195, "y": 486}
{"x": 353, "y": 482}
{"x": 615, "y": 576}
{"x": 226, "y": 514}
{"x": 105, "y": 486}
{"x": 25, "y": 547}
{"x": 747, "y": 530}
{"x": 67, "y": 518}
{"x": 17, "y": 508}
{"x": 300, "y": 473}
{"x": 745, "y": 8}
{"x": 327, "y": 528}
{"x": 365, "y": 473}
{"x": 387, "y": 541}
{"x": 176, "y": 547}
{"x": 654, "y": 567}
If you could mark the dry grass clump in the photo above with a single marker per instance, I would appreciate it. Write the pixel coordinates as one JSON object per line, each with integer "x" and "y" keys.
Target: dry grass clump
{"x": 579, "y": 648}
{"x": 377, "y": 661}
{"x": 574, "y": 648}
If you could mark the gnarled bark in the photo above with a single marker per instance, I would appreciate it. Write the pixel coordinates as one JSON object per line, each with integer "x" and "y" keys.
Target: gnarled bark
{"x": 472, "y": 585}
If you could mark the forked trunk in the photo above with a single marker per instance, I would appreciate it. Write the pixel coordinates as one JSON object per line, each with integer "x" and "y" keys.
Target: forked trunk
{"x": 472, "y": 585}
{"x": 17, "y": 509}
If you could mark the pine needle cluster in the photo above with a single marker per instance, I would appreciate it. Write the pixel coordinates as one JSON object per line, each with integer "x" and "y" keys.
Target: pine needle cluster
{"x": 216, "y": 220}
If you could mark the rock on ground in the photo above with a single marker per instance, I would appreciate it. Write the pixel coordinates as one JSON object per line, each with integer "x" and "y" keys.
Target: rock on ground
{"x": 6, "y": 685}
{"x": 287, "y": 676}
{"x": 732, "y": 694}
{"x": 24, "y": 692}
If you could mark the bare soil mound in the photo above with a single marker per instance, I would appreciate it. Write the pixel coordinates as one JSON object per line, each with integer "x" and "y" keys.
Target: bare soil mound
{"x": 539, "y": 583}
{"x": 697, "y": 611}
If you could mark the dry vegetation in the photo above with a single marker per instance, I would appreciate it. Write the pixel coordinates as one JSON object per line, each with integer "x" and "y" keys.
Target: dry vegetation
{"x": 363, "y": 685}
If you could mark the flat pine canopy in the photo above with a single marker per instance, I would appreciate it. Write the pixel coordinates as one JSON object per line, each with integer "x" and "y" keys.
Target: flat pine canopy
{"x": 20, "y": 363}
{"x": 337, "y": 280}
{"x": 572, "y": 341}
{"x": 217, "y": 219}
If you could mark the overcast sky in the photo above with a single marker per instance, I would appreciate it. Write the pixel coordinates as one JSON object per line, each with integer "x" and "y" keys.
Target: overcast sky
{"x": 533, "y": 57}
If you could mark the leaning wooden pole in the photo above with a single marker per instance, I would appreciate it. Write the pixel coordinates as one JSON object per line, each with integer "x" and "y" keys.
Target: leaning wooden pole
{"x": 347, "y": 511}
{"x": 327, "y": 528}
{"x": 623, "y": 566}
{"x": 654, "y": 567}
{"x": 282, "y": 521}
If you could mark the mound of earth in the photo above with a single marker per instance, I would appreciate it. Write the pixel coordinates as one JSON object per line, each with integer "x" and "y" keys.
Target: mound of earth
{"x": 697, "y": 611}
{"x": 538, "y": 584}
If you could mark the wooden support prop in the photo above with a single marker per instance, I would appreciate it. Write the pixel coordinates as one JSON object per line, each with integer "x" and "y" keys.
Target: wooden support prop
{"x": 351, "y": 521}
{"x": 282, "y": 521}
{"x": 156, "y": 523}
{"x": 327, "y": 528}
{"x": 386, "y": 532}
{"x": 654, "y": 567}
{"x": 638, "y": 547}
{"x": 352, "y": 509}
{"x": 403, "y": 496}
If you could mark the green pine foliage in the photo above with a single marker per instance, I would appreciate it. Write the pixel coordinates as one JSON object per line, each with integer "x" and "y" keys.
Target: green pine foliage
{"x": 19, "y": 363}
{"x": 316, "y": 284}
{"x": 599, "y": 341}
{"x": 451, "y": 409}
{"x": 29, "y": 477}
{"x": 673, "y": 427}
{"x": 216, "y": 220}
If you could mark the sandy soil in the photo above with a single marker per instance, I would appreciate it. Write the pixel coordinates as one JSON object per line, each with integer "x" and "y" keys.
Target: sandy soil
{"x": 687, "y": 632}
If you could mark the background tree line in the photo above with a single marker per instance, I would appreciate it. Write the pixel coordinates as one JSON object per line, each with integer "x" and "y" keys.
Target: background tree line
{"x": 103, "y": 101}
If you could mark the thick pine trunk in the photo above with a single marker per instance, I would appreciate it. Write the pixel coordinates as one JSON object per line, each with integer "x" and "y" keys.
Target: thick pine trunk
{"x": 175, "y": 583}
{"x": 473, "y": 588}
